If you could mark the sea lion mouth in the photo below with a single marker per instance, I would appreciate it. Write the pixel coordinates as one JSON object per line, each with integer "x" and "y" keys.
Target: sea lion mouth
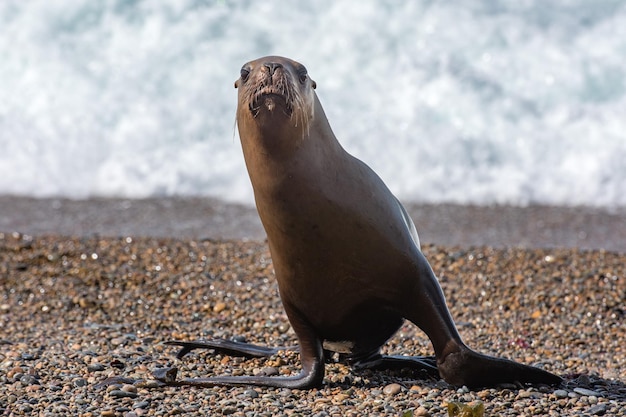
{"x": 270, "y": 96}
{"x": 277, "y": 93}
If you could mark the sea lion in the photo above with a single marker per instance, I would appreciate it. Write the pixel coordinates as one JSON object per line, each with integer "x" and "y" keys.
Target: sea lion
{"x": 345, "y": 252}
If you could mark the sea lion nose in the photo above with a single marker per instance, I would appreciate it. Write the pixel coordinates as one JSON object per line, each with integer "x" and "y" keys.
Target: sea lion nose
{"x": 272, "y": 66}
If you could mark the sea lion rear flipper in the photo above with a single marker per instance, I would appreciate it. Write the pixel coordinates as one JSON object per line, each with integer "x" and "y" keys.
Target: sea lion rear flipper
{"x": 476, "y": 370}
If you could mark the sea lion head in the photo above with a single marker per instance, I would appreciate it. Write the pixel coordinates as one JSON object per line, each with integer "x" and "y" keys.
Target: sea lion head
{"x": 275, "y": 92}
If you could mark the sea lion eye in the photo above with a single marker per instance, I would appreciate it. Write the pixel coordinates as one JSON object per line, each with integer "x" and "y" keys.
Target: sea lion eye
{"x": 303, "y": 76}
{"x": 245, "y": 73}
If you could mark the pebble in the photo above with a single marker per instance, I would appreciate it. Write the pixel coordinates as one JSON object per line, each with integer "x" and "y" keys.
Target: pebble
{"x": 142, "y": 404}
{"x": 219, "y": 307}
{"x": 392, "y": 389}
{"x": 421, "y": 412}
{"x": 26, "y": 380}
{"x": 251, "y": 393}
{"x": 95, "y": 367}
{"x": 132, "y": 306}
{"x": 123, "y": 394}
{"x": 269, "y": 371}
{"x": 129, "y": 388}
{"x": 80, "y": 382}
{"x": 597, "y": 410}
{"x": 586, "y": 392}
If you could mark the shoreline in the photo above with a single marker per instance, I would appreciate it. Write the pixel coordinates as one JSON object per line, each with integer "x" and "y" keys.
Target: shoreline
{"x": 585, "y": 228}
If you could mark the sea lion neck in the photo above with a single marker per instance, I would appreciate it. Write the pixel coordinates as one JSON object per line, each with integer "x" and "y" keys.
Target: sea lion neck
{"x": 282, "y": 149}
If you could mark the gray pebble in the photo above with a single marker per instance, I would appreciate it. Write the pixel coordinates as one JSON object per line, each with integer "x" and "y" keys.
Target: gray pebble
{"x": 269, "y": 371}
{"x": 142, "y": 405}
{"x": 95, "y": 367}
{"x": 251, "y": 393}
{"x": 28, "y": 380}
{"x": 80, "y": 382}
{"x": 560, "y": 393}
{"x": 118, "y": 393}
{"x": 586, "y": 392}
{"x": 597, "y": 410}
{"x": 285, "y": 392}
{"x": 118, "y": 341}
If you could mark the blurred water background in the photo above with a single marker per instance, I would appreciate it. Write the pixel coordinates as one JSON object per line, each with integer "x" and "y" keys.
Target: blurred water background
{"x": 469, "y": 102}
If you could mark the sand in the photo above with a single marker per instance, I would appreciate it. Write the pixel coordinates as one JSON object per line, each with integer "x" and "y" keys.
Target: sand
{"x": 76, "y": 310}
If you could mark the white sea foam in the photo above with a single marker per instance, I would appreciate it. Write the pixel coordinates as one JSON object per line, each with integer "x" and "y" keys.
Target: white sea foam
{"x": 459, "y": 101}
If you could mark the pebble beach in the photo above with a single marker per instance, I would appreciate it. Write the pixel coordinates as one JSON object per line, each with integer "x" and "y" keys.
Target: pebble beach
{"x": 76, "y": 309}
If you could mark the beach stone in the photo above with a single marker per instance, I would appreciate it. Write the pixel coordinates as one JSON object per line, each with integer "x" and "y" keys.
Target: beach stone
{"x": 392, "y": 389}
{"x": 219, "y": 307}
{"x": 269, "y": 371}
{"x": 250, "y": 393}
{"x": 586, "y": 392}
{"x": 141, "y": 404}
{"x": 15, "y": 371}
{"x": 118, "y": 393}
{"x": 26, "y": 380}
{"x": 80, "y": 382}
{"x": 421, "y": 412}
{"x": 560, "y": 393}
{"x": 129, "y": 388}
{"x": 95, "y": 367}
{"x": 598, "y": 410}
{"x": 117, "y": 341}
{"x": 583, "y": 380}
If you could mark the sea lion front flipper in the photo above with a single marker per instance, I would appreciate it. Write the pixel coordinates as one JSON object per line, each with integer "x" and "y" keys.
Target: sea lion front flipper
{"x": 229, "y": 347}
{"x": 311, "y": 356}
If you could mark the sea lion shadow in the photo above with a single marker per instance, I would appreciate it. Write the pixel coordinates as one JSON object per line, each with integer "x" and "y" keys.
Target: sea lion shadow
{"x": 580, "y": 384}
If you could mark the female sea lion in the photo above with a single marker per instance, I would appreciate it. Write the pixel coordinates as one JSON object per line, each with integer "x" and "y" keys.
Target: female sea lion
{"x": 346, "y": 253}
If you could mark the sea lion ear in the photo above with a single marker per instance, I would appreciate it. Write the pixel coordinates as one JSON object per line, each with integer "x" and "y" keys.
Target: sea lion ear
{"x": 313, "y": 84}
